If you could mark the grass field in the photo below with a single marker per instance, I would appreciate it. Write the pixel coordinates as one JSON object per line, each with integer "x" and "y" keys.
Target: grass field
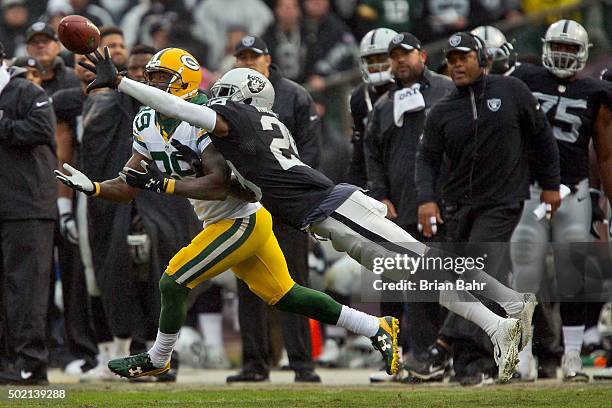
{"x": 191, "y": 395}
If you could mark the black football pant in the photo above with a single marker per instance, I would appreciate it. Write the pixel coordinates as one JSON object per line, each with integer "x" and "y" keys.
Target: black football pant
{"x": 26, "y": 250}
{"x": 253, "y": 312}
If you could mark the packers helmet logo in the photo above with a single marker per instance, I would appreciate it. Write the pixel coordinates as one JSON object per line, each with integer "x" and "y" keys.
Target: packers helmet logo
{"x": 454, "y": 41}
{"x": 398, "y": 39}
{"x": 190, "y": 62}
{"x": 248, "y": 41}
{"x": 255, "y": 84}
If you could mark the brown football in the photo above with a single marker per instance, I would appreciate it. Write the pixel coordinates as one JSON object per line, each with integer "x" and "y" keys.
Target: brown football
{"x": 78, "y": 34}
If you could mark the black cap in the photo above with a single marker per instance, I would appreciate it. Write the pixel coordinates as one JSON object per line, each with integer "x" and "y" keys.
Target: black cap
{"x": 463, "y": 42}
{"x": 27, "y": 62}
{"x": 406, "y": 41}
{"x": 10, "y": 3}
{"x": 251, "y": 43}
{"x": 40, "y": 27}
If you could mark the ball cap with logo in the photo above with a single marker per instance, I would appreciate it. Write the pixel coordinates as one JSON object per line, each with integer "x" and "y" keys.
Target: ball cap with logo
{"x": 40, "y": 28}
{"x": 462, "y": 42}
{"x": 406, "y": 41}
{"x": 251, "y": 43}
{"x": 27, "y": 62}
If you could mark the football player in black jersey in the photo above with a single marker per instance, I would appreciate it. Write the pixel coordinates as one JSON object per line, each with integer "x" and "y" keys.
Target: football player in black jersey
{"x": 261, "y": 153}
{"x": 578, "y": 110}
{"x": 376, "y": 72}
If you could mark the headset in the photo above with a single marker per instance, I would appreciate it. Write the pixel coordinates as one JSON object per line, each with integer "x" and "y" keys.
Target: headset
{"x": 481, "y": 51}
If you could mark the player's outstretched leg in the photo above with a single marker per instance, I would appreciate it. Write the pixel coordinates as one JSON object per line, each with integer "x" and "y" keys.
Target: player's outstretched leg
{"x": 172, "y": 316}
{"x": 383, "y": 332}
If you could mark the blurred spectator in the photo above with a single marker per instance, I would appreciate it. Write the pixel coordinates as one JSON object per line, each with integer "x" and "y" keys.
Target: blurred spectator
{"x": 234, "y": 35}
{"x": 117, "y": 8}
{"x": 15, "y": 20}
{"x": 284, "y": 38}
{"x": 27, "y": 214}
{"x": 137, "y": 22}
{"x": 112, "y": 37}
{"x": 96, "y": 14}
{"x": 330, "y": 46}
{"x": 139, "y": 56}
{"x": 34, "y": 69}
{"x": 42, "y": 44}
{"x": 214, "y": 17}
{"x": 393, "y": 14}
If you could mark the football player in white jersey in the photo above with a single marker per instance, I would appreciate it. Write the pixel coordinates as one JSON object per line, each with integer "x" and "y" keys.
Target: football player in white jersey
{"x": 237, "y": 233}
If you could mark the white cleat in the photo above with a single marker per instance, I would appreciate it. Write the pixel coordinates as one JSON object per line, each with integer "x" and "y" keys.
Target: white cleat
{"x": 526, "y": 316}
{"x": 506, "y": 342}
{"x": 214, "y": 357}
{"x": 571, "y": 365}
{"x": 330, "y": 355}
{"x": 99, "y": 373}
{"x": 528, "y": 369}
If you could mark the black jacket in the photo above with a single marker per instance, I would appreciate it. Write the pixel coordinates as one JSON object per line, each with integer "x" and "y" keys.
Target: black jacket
{"x": 295, "y": 108}
{"x": 64, "y": 78}
{"x": 390, "y": 151}
{"x": 27, "y": 151}
{"x": 486, "y": 131}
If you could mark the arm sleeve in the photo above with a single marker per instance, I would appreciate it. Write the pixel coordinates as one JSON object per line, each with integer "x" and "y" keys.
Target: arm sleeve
{"x": 36, "y": 122}
{"x": 430, "y": 152}
{"x": 170, "y": 105}
{"x": 372, "y": 149}
{"x": 308, "y": 130}
{"x": 534, "y": 125}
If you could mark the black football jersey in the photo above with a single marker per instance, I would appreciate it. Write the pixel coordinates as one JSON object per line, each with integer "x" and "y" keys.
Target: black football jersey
{"x": 262, "y": 154}
{"x": 571, "y": 108}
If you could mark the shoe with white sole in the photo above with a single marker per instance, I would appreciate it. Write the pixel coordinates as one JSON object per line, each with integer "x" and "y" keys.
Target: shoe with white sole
{"x": 526, "y": 317}
{"x": 506, "y": 342}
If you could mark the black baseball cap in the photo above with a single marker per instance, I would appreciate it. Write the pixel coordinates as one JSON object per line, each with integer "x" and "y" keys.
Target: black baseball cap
{"x": 42, "y": 28}
{"x": 27, "y": 62}
{"x": 463, "y": 42}
{"x": 251, "y": 43}
{"x": 406, "y": 41}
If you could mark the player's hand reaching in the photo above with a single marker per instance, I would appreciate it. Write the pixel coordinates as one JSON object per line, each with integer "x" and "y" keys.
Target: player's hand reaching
{"x": 189, "y": 156}
{"x": 76, "y": 180}
{"x": 150, "y": 179}
{"x": 107, "y": 75}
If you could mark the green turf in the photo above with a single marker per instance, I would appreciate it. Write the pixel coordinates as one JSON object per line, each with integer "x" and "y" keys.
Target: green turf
{"x": 127, "y": 395}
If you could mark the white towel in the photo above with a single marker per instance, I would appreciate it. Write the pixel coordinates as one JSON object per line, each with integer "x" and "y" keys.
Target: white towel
{"x": 407, "y": 100}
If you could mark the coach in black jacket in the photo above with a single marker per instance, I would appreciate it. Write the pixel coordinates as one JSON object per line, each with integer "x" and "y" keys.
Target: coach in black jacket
{"x": 27, "y": 214}
{"x": 296, "y": 110}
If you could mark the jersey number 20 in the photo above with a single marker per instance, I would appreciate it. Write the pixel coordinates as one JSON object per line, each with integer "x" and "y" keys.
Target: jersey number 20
{"x": 283, "y": 148}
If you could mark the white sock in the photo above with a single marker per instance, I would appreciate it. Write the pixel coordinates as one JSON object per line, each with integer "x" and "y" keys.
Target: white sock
{"x": 467, "y": 306}
{"x": 211, "y": 327}
{"x": 121, "y": 347}
{"x": 358, "y": 322}
{"x": 162, "y": 348}
{"x": 512, "y": 307}
{"x": 524, "y": 357}
{"x": 572, "y": 338}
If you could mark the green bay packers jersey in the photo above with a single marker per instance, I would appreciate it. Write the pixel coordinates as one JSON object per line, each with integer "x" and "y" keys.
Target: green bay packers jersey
{"x": 153, "y": 142}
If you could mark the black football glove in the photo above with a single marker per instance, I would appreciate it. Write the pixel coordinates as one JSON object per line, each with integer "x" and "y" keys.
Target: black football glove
{"x": 189, "y": 156}
{"x": 151, "y": 179}
{"x": 103, "y": 67}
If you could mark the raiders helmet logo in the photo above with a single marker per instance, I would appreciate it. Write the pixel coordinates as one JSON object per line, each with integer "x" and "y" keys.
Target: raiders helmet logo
{"x": 398, "y": 39}
{"x": 454, "y": 41}
{"x": 255, "y": 84}
{"x": 248, "y": 41}
{"x": 39, "y": 26}
{"x": 494, "y": 104}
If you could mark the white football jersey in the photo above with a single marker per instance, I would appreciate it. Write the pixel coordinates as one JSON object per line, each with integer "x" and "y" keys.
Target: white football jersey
{"x": 149, "y": 141}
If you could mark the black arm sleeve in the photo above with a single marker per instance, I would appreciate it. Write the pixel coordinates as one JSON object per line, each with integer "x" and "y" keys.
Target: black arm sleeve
{"x": 307, "y": 129}
{"x": 545, "y": 164}
{"x": 430, "y": 152}
{"x": 377, "y": 179}
{"x": 36, "y": 123}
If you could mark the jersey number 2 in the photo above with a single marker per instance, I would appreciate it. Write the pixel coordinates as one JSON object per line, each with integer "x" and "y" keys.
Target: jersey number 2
{"x": 283, "y": 148}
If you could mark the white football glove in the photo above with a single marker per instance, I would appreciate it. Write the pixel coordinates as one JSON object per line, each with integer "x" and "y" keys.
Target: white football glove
{"x": 76, "y": 180}
{"x": 67, "y": 224}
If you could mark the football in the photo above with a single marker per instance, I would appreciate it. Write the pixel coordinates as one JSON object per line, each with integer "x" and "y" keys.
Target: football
{"x": 78, "y": 34}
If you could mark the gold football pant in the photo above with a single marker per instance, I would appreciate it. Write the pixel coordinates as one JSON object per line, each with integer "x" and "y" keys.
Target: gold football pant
{"x": 246, "y": 245}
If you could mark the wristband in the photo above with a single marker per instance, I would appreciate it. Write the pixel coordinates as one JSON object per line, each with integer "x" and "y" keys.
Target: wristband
{"x": 97, "y": 189}
{"x": 169, "y": 184}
